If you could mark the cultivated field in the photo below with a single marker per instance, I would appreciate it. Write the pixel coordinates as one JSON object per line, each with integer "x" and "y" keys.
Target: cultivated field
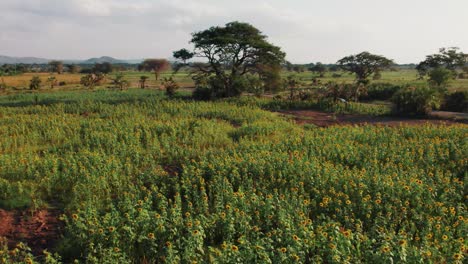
{"x": 131, "y": 176}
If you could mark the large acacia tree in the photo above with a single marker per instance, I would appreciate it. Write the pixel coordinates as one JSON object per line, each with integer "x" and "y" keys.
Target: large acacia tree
{"x": 233, "y": 51}
{"x": 364, "y": 64}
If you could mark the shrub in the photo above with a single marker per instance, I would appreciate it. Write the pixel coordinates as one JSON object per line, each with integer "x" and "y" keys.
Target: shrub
{"x": 120, "y": 82}
{"x": 456, "y": 102}
{"x": 347, "y": 91}
{"x": 202, "y": 93}
{"x": 380, "y": 91}
{"x": 62, "y": 83}
{"x": 91, "y": 80}
{"x": 440, "y": 76}
{"x": 336, "y": 75}
{"x": 419, "y": 101}
{"x": 35, "y": 83}
{"x": 170, "y": 85}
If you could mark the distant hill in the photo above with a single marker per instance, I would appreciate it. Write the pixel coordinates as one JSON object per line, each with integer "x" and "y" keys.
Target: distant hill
{"x": 34, "y": 60}
{"x": 23, "y": 60}
{"x": 102, "y": 60}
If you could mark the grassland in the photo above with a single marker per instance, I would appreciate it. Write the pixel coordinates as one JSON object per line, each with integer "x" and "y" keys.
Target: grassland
{"x": 21, "y": 82}
{"x": 139, "y": 178}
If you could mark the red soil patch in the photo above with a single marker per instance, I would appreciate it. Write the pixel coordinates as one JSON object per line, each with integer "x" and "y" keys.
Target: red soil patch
{"x": 39, "y": 229}
{"x": 323, "y": 119}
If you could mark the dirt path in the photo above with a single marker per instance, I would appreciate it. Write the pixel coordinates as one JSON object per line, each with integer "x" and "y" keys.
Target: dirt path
{"x": 323, "y": 119}
{"x": 39, "y": 230}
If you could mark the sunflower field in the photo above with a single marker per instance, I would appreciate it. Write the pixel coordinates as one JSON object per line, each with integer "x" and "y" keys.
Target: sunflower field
{"x": 140, "y": 178}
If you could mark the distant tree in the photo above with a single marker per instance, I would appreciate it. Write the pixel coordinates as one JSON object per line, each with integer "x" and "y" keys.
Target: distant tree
{"x": 298, "y": 68}
{"x": 52, "y": 81}
{"x": 364, "y": 65}
{"x": 91, "y": 80}
{"x": 73, "y": 68}
{"x": 448, "y": 58}
{"x": 105, "y": 68}
{"x": 184, "y": 55}
{"x": 155, "y": 65}
{"x": 233, "y": 51}
{"x": 35, "y": 83}
{"x": 142, "y": 81}
{"x": 120, "y": 82}
{"x": 319, "y": 68}
{"x": 334, "y": 68}
{"x": 56, "y": 66}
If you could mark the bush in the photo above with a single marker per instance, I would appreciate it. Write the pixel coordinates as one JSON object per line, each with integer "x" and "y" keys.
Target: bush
{"x": 440, "y": 77}
{"x": 170, "y": 86}
{"x": 456, "y": 102}
{"x": 35, "y": 83}
{"x": 336, "y": 75}
{"x": 62, "y": 83}
{"x": 202, "y": 93}
{"x": 419, "y": 101}
{"x": 380, "y": 91}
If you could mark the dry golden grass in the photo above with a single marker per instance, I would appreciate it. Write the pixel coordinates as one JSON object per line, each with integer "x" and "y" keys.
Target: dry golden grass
{"x": 22, "y": 81}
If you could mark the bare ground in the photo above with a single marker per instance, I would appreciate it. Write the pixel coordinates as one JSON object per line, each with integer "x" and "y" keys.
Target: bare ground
{"x": 323, "y": 119}
{"x": 39, "y": 229}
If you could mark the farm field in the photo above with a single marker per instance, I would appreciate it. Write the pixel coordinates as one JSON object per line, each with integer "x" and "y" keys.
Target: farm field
{"x": 135, "y": 177}
{"x": 400, "y": 77}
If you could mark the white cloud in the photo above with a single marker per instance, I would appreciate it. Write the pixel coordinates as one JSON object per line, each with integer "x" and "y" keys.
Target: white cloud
{"x": 308, "y": 30}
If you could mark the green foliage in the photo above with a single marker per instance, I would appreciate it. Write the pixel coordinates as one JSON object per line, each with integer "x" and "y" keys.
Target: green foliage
{"x": 141, "y": 178}
{"x": 91, "y": 80}
{"x": 440, "y": 77}
{"x": 346, "y": 91}
{"x": 319, "y": 68}
{"x": 380, "y": 91}
{"x": 120, "y": 82}
{"x": 456, "y": 102}
{"x": 184, "y": 55}
{"x": 448, "y": 58}
{"x": 35, "y": 83}
{"x": 364, "y": 65}
{"x": 170, "y": 86}
{"x": 233, "y": 51}
{"x": 416, "y": 100}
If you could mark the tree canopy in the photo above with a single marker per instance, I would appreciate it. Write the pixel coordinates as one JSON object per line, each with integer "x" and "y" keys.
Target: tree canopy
{"x": 56, "y": 66}
{"x": 233, "y": 51}
{"x": 155, "y": 65}
{"x": 448, "y": 58}
{"x": 364, "y": 65}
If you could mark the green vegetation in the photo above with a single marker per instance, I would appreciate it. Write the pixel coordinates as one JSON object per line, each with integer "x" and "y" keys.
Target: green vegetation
{"x": 139, "y": 178}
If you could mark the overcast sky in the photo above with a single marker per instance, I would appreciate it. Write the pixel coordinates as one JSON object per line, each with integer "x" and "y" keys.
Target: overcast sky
{"x": 307, "y": 30}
